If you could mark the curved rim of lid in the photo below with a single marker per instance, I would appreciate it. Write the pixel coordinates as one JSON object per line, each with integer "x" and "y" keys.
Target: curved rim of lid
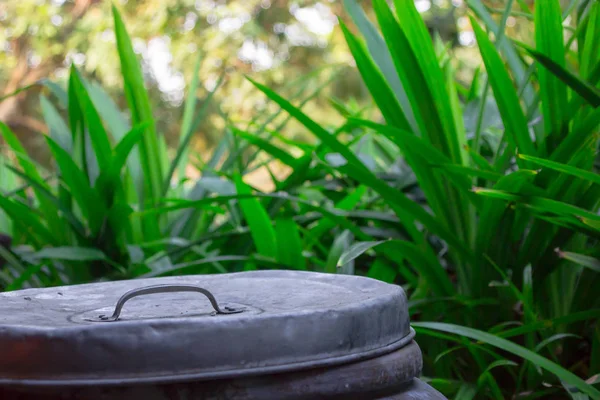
{"x": 231, "y": 374}
{"x": 366, "y": 319}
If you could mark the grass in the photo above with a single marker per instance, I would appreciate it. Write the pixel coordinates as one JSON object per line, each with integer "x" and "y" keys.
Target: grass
{"x": 494, "y": 233}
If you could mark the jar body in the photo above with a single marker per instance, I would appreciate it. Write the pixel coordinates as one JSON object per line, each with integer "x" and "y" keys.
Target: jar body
{"x": 389, "y": 377}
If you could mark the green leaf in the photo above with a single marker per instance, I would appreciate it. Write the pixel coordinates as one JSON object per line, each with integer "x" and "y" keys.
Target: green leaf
{"x": 539, "y": 203}
{"x": 356, "y": 250}
{"x": 189, "y": 108}
{"x": 412, "y": 78}
{"x": 77, "y": 182}
{"x": 341, "y": 243}
{"x": 25, "y": 276}
{"x": 567, "y": 169}
{"x": 118, "y": 127}
{"x": 70, "y": 254}
{"x": 267, "y": 147}
{"x": 16, "y": 146}
{"x": 479, "y": 173}
{"x": 139, "y": 105}
{"x": 582, "y": 88}
{"x": 191, "y": 267}
{"x": 375, "y": 82}
{"x": 382, "y": 271}
{"x": 58, "y": 91}
{"x": 515, "y": 349}
{"x": 349, "y": 202}
{"x": 428, "y": 80}
{"x": 411, "y": 145}
{"x": 466, "y": 392}
{"x": 406, "y": 209}
{"x": 552, "y": 323}
{"x": 289, "y": 244}
{"x": 552, "y": 339}
{"x": 258, "y": 221}
{"x": 59, "y": 131}
{"x": 581, "y": 136}
{"x": 76, "y": 121}
{"x": 179, "y": 160}
{"x": 594, "y": 224}
{"x": 124, "y": 148}
{"x": 109, "y": 181}
{"x": 98, "y": 135}
{"x": 7, "y": 182}
{"x": 425, "y": 264}
{"x": 44, "y": 191}
{"x": 19, "y": 90}
{"x": 586, "y": 261}
{"x": 183, "y": 204}
{"x": 506, "y": 47}
{"x": 549, "y": 41}
{"x": 31, "y": 171}
{"x": 507, "y": 100}
{"x": 108, "y": 110}
{"x": 381, "y": 55}
{"x": 26, "y": 221}
{"x": 591, "y": 43}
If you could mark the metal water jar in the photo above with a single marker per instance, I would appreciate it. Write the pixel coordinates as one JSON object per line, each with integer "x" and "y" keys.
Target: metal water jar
{"x": 248, "y": 335}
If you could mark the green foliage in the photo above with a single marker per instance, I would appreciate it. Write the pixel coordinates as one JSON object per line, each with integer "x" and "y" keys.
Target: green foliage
{"x": 499, "y": 220}
{"x": 492, "y": 229}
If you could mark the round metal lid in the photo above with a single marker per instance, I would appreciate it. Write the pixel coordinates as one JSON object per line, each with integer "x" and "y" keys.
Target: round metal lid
{"x": 258, "y": 322}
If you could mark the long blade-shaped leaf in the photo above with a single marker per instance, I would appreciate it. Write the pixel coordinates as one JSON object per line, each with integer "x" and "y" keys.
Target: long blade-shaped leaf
{"x": 428, "y": 267}
{"x": 27, "y": 221}
{"x": 581, "y": 87}
{"x": 567, "y": 169}
{"x": 581, "y": 259}
{"x": 549, "y": 41}
{"x": 189, "y": 109}
{"x": 68, "y": 215}
{"x": 70, "y": 253}
{"x": 98, "y": 135}
{"x": 506, "y": 47}
{"x": 267, "y": 147}
{"x": 139, "y": 105}
{"x": 379, "y": 88}
{"x": 515, "y": 349}
{"x": 59, "y": 131}
{"x": 411, "y": 76}
{"x": 188, "y": 133}
{"x": 540, "y": 203}
{"x": 419, "y": 39}
{"x": 356, "y": 250}
{"x": 289, "y": 243}
{"x": 590, "y": 58}
{"x": 506, "y": 96}
{"x": 79, "y": 186}
{"x": 31, "y": 171}
{"x": 259, "y": 222}
{"x": 381, "y": 55}
{"x": 118, "y": 126}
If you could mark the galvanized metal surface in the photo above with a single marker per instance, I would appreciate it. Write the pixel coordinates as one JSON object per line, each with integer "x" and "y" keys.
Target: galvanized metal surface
{"x": 416, "y": 390}
{"x": 291, "y": 321}
{"x": 387, "y": 377}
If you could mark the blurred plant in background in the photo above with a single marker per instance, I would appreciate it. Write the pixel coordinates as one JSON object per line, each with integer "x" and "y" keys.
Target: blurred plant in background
{"x": 281, "y": 39}
{"x": 472, "y": 182}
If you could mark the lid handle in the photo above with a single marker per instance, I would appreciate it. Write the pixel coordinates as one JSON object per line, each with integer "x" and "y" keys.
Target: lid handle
{"x": 167, "y": 289}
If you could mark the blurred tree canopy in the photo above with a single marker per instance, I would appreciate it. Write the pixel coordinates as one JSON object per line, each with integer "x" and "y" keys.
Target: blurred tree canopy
{"x": 275, "y": 40}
